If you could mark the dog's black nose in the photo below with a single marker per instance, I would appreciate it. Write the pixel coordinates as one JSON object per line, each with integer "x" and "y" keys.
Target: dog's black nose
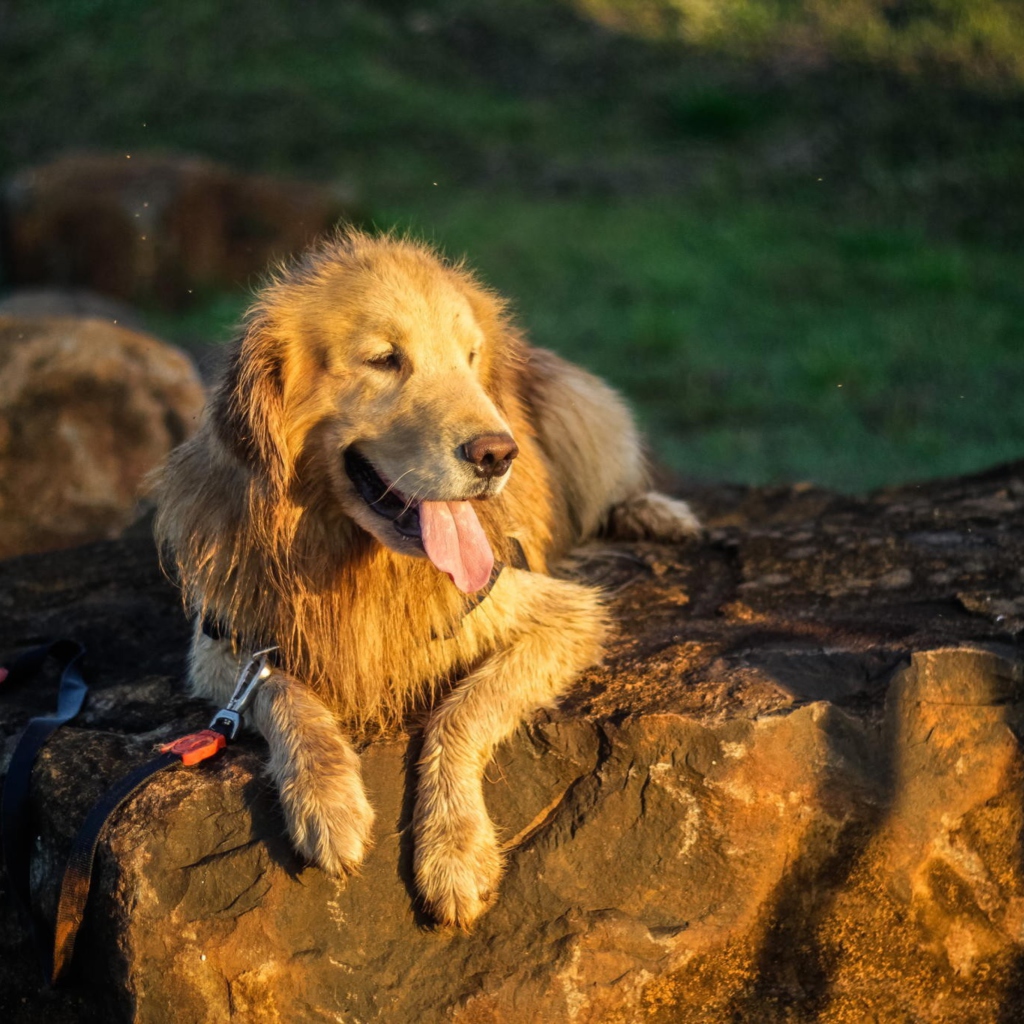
{"x": 491, "y": 454}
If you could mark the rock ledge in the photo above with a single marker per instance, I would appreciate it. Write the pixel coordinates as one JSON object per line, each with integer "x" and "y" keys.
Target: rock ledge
{"x": 792, "y": 793}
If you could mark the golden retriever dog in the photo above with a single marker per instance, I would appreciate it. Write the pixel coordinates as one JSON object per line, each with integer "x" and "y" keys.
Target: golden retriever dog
{"x": 383, "y": 479}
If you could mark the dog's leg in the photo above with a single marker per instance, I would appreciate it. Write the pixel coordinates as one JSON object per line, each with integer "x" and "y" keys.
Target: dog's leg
{"x": 457, "y": 862}
{"x": 315, "y": 768}
{"x": 651, "y": 516}
{"x": 317, "y": 774}
{"x": 590, "y": 437}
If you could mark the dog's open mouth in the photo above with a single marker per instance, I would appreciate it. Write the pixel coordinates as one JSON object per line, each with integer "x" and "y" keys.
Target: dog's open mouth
{"x": 385, "y": 501}
{"x": 449, "y": 531}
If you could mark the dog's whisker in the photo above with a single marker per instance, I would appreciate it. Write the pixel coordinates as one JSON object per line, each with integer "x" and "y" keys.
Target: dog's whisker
{"x": 413, "y": 499}
{"x": 391, "y": 486}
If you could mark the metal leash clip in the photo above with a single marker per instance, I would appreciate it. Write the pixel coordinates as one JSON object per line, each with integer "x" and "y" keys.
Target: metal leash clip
{"x": 229, "y": 719}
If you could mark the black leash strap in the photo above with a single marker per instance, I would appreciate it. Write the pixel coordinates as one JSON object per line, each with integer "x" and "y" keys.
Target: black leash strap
{"x": 16, "y": 835}
{"x": 74, "y": 889}
{"x": 194, "y": 748}
{"x": 77, "y": 881}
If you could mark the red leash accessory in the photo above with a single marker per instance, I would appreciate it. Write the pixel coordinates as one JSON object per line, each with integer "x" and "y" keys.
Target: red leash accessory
{"x": 196, "y": 746}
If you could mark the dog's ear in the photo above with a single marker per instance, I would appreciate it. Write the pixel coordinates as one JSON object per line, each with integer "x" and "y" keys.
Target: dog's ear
{"x": 248, "y": 407}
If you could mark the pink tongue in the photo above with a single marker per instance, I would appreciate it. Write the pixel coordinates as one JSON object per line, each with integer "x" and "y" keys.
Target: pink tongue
{"x": 455, "y": 542}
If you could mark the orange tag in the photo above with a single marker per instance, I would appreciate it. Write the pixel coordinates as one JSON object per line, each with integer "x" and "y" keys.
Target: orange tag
{"x": 196, "y": 746}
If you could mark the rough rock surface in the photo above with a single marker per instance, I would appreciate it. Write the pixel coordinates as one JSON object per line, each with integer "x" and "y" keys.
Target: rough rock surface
{"x": 155, "y": 228}
{"x": 793, "y": 793}
{"x": 87, "y": 408}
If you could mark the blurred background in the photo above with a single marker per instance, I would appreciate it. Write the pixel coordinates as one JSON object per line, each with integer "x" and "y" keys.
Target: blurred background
{"x": 789, "y": 230}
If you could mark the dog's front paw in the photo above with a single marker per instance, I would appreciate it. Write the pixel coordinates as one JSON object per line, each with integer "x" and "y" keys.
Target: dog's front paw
{"x": 457, "y": 866}
{"x": 329, "y": 818}
{"x": 653, "y": 516}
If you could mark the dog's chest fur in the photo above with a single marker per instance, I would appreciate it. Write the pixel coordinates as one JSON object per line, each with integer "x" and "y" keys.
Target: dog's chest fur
{"x": 374, "y": 633}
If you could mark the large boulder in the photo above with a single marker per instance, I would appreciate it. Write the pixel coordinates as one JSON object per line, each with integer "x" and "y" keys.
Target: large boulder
{"x": 75, "y": 302}
{"x": 87, "y": 409}
{"x": 793, "y": 792}
{"x": 155, "y": 228}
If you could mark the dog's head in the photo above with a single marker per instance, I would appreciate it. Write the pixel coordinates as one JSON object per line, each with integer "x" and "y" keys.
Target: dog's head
{"x": 370, "y": 376}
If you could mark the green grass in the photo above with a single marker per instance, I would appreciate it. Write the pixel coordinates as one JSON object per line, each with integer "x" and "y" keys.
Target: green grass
{"x": 757, "y": 343}
{"x": 766, "y": 344}
{"x": 794, "y": 272}
{"x": 972, "y": 39}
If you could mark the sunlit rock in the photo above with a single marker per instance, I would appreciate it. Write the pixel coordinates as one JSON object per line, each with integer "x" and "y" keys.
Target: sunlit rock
{"x": 87, "y": 409}
{"x": 793, "y": 792}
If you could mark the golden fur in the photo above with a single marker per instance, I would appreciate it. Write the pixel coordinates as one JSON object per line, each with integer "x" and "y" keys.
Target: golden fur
{"x": 378, "y": 342}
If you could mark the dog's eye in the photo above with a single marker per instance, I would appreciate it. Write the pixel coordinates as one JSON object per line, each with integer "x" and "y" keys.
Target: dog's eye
{"x": 386, "y": 361}
{"x": 473, "y": 358}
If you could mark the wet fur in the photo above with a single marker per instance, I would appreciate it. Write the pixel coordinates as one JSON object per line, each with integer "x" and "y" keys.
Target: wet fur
{"x": 256, "y": 515}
